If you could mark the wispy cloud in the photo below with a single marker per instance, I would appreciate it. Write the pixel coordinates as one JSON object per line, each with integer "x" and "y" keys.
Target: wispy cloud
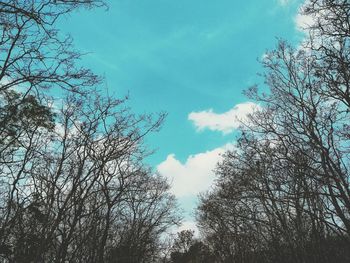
{"x": 193, "y": 176}
{"x": 225, "y": 122}
{"x": 284, "y": 2}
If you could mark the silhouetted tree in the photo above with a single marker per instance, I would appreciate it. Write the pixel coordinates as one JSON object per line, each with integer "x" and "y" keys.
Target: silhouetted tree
{"x": 283, "y": 194}
{"x": 188, "y": 249}
{"x": 74, "y": 186}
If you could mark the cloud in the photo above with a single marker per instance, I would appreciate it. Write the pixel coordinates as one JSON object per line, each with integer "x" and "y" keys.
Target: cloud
{"x": 193, "y": 176}
{"x": 185, "y": 225}
{"x": 225, "y": 122}
{"x": 189, "y": 225}
{"x": 302, "y": 22}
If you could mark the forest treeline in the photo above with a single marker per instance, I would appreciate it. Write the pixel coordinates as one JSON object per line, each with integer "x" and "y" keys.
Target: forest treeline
{"x": 74, "y": 186}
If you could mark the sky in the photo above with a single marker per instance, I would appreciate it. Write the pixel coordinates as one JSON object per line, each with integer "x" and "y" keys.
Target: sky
{"x": 191, "y": 59}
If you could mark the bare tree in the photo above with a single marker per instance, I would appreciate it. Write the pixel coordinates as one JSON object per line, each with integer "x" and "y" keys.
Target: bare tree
{"x": 284, "y": 193}
{"x": 74, "y": 185}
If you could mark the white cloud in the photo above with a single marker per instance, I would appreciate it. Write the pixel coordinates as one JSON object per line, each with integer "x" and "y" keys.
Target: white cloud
{"x": 193, "y": 176}
{"x": 189, "y": 225}
{"x": 185, "y": 225}
{"x": 302, "y": 22}
{"x": 225, "y": 122}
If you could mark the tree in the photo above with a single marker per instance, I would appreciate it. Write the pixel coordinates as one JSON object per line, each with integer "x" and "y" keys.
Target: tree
{"x": 188, "y": 249}
{"x": 74, "y": 186}
{"x": 284, "y": 193}
{"x": 144, "y": 215}
{"x": 77, "y": 182}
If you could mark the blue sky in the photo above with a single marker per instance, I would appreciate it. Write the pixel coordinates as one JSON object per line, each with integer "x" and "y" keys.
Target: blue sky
{"x": 191, "y": 59}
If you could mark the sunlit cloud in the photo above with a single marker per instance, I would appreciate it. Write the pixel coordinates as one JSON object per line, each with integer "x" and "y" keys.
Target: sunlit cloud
{"x": 302, "y": 22}
{"x": 189, "y": 225}
{"x": 195, "y": 175}
{"x": 225, "y": 122}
